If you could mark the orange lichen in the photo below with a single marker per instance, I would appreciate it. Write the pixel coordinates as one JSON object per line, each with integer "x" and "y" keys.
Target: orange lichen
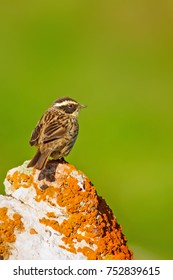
{"x": 8, "y": 228}
{"x": 18, "y": 222}
{"x": 89, "y": 253}
{"x": 19, "y": 180}
{"x": 88, "y": 218}
{"x": 51, "y": 214}
{"x": 33, "y": 231}
{"x": 51, "y": 223}
{"x": 49, "y": 192}
{"x": 70, "y": 249}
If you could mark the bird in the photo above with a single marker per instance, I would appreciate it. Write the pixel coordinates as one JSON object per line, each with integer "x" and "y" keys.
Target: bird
{"x": 56, "y": 132}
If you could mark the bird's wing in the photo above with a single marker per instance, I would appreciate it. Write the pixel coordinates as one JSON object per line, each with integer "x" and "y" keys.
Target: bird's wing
{"x": 35, "y": 135}
{"x": 53, "y": 131}
{"x": 52, "y": 128}
{"x": 48, "y": 129}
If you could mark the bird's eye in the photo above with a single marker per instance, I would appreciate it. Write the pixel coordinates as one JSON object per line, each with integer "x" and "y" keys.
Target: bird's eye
{"x": 70, "y": 108}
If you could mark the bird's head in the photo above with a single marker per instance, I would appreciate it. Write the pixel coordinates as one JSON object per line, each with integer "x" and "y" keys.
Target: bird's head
{"x": 68, "y": 106}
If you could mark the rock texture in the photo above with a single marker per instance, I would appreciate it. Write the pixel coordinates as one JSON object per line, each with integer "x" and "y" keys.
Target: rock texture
{"x": 57, "y": 214}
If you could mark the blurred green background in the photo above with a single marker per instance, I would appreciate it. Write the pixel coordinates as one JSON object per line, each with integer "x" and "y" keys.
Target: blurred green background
{"x": 116, "y": 57}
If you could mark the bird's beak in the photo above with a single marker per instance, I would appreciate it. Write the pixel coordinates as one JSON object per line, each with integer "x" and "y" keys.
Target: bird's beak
{"x": 81, "y": 106}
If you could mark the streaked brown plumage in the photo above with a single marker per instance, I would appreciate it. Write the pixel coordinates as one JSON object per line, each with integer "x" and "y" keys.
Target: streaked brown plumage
{"x": 56, "y": 132}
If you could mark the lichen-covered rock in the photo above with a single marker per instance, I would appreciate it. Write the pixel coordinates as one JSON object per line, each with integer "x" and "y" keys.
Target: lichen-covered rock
{"x": 57, "y": 214}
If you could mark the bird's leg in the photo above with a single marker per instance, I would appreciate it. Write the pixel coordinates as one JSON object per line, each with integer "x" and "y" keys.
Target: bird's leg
{"x": 62, "y": 160}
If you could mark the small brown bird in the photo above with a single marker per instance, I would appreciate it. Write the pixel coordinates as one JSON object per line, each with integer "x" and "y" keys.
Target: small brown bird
{"x": 56, "y": 132}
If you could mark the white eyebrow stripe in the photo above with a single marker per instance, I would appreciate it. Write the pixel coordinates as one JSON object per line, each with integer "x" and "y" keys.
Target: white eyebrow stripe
{"x": 64, "y": 103}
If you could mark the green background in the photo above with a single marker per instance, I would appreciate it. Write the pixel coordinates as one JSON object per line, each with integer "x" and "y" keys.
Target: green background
{"x": 116, "y": 57}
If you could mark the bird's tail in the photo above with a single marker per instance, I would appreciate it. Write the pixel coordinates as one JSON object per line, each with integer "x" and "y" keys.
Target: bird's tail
{"x": 39, "y": 160}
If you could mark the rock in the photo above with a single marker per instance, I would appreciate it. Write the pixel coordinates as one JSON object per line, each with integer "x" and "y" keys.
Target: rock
{"x": 57, "y": 214}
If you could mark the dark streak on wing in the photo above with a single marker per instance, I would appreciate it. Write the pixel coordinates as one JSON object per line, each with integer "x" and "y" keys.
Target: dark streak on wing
{"x": 35, "y": 135}
{"x": 49, "y": 116}
{"x": 52, "y": 127}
